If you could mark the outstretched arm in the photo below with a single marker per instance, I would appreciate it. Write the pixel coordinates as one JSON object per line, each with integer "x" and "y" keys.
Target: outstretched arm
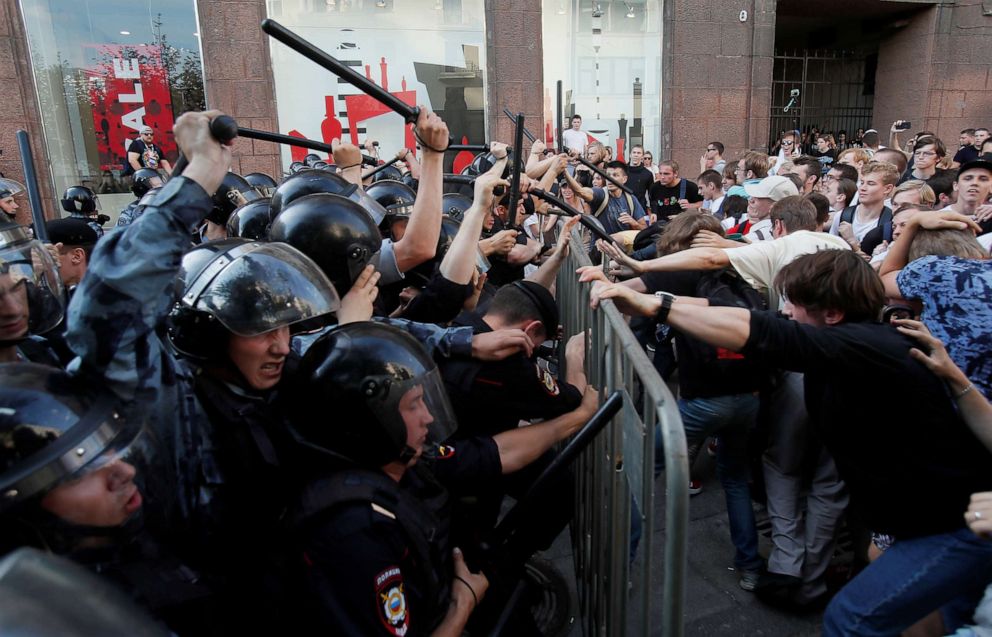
{"x": 128, "y": 286}
{"x": 521, "y": 446}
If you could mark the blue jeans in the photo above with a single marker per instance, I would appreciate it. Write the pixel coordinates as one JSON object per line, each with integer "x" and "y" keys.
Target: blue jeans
{"x": 730, "y": 418}
{"x": 911, "y": 579}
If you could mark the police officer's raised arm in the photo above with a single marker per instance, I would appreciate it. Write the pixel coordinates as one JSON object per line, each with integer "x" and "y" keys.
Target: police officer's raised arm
{"x": 128, "y": 286}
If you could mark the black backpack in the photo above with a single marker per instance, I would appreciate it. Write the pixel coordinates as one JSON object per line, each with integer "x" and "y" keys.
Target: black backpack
{"x": 884, "y": 220}
{"x": 726, "y": 372}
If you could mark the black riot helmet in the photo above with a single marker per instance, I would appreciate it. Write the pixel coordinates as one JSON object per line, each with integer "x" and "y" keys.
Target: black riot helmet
{"x": 251, "y": 221}
{"x": 296, "y": 167}
{"x": 311, "y": 159}
{"x": 54, "y": 429}
{"x": 455, "y": 204}
{"x": 80, "y": 199}
{"x": 308, "y": 182}
{"x": 142, "y": 181}
{"x": 10, "y": 187}
{"x": 262, "y": 183}
{"x": 411, "y": 181}
{"x": 389, "y": 172}
{"x": 386, "y": 395}
{"x": 234, "y": 191}
{"x": 247, "y": 288}
{"x": 395, "y": 196}
{"x": 484, "y": 161}
{"x": 29, "y": 285}
{"x": 337, "y": 233}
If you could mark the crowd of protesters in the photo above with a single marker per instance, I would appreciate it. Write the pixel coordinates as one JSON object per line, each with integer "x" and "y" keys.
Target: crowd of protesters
{"x": 265, "y": 404}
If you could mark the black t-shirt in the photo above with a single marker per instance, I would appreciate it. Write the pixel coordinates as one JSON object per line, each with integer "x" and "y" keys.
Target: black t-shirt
{"x": 910, "y": 462}
{"x": 966, "y": 153}
{"x": 664, "y": 200}
{"x": 149, "y": 155}
{"x": 639, "y": 179}
{"x": 704, "y": 371}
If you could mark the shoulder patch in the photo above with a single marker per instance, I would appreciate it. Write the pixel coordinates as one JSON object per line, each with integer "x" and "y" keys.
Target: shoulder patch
{"x": 549, "y": 382}
{"x": 391, "y": 601}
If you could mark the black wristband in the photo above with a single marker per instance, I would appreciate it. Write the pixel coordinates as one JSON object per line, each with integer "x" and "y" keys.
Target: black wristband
{"x": 667, "y": 299}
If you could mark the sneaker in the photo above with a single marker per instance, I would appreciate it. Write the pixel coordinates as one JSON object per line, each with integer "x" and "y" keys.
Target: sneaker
{"x": 749, "y": 580}
{"x": 695, "y": 487}
{"x": 711, "y": 447}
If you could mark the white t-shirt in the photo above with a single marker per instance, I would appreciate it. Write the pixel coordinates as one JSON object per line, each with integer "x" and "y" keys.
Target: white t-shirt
{"x": 575, "y": 139}
{"x": 759, "y": 262}
{"x": 714, "y": 204}
{"x": 861, "y": 228}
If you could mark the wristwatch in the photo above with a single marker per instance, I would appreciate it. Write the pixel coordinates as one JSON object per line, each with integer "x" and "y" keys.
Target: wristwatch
{"x": 667, "y": 299}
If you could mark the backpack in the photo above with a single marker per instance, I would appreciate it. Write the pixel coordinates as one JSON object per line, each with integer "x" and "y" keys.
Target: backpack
{"x": 884, "y": 220}
{"x": 727, "y": 372}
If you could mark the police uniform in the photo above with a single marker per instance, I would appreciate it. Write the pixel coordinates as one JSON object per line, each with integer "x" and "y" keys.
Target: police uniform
{"x": 376, "y": 554}
{"x": 494, "y": 396}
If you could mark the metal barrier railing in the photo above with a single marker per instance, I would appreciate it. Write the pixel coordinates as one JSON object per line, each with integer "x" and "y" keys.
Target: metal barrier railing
{"x": 618, "y": 471}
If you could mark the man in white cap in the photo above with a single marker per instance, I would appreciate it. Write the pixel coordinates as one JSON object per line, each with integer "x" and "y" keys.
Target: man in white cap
{"x": 761, "y": 197}
{"x": 145, "y": 153}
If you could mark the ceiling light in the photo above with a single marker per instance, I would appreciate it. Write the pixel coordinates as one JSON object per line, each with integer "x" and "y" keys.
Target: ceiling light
{"x": 125, "y": 33}
{"x": 437, "y": 5}
{"x": 561, "y": 7}
{"x": 597, "y": 10}
{"x": 331, "y": 3}
{"x": 630, "y": 11}
{"x": 380, "y": 3}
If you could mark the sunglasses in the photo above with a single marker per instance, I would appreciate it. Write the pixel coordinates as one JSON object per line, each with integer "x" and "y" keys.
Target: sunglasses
{"x": 787, "y": 143}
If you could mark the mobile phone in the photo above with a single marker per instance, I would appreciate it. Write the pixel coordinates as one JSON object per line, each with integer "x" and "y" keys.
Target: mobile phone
{"x": 904, "y": 126}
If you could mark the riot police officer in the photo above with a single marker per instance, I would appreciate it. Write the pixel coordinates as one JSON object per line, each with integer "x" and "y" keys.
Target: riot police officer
{"x": 374, "y": 533}
{"x": 82, "y": 203}
{"x": 9, "y": 188}
{"x": 371, "y": 526}
{"x": 31, "y": 297}
{"x": 143, "y": 180}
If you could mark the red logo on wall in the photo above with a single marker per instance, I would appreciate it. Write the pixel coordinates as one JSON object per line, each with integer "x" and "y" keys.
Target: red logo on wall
{"x": 129, "y": 88}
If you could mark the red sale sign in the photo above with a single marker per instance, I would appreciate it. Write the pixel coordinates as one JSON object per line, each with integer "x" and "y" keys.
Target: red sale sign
{"x": 129, "y": 88}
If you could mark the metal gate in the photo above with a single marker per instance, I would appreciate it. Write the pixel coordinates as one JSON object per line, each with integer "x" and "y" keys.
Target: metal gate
{"x": 836, "y": 92}
{"x": 615, "y": 479}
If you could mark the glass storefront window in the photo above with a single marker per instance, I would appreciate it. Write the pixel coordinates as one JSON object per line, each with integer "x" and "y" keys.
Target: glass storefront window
{"x": 103, "y": 69}
{"x": 424, "y": 51}
{"x": 607, "y": 53}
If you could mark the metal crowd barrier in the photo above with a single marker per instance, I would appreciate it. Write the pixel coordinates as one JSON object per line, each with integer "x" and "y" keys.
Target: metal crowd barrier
{"x": 615, "y": 477}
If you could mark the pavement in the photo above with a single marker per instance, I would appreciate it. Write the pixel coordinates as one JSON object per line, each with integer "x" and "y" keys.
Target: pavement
{"x": 714, "y": 604}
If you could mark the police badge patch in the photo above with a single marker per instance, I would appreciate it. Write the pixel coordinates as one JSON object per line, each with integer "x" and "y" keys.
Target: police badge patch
{"x": 550, "y": 385}
{"x": 391, "y": 601}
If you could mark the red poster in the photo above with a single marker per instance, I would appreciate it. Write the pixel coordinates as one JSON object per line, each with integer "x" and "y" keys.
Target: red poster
{"x": 129, "y": 88}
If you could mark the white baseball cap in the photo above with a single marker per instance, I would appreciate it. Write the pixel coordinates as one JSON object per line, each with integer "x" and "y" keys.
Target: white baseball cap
{"x": 774, "y": 187}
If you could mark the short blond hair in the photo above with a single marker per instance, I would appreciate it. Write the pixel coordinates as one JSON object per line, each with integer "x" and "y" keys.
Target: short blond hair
{"x": 858, "y": 155}
{"x": 889, "y": 173}
{"x": 927, "y": 196}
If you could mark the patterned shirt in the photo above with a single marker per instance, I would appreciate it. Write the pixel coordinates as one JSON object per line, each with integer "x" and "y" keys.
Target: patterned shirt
{"x": 957, "y": 308}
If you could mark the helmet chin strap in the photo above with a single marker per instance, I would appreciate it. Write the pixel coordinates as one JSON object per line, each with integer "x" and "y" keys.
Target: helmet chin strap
{"x": 408, "y": 454}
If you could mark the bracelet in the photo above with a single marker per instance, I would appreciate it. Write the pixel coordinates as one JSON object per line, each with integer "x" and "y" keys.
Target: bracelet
{"x": 667, "y": 300}
{"x": 351, "y": 166}
{"x": 961, "y": 394}
{"x": 469, "y": 586}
